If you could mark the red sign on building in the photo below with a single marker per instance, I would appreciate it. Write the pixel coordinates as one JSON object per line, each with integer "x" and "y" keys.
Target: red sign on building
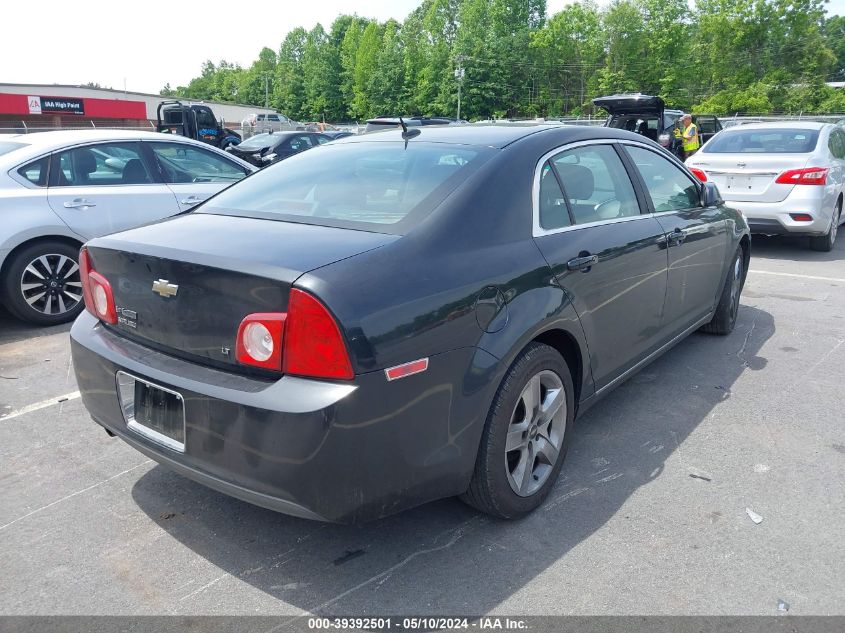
{"x": 28, "y": 105}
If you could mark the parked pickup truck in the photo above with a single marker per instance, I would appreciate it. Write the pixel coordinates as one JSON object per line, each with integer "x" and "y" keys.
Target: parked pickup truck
{"x": 650, "y": 117}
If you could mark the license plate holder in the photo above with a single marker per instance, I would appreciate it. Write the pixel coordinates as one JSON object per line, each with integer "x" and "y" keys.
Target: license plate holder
{"x": 156, "y": 412}
{"x": 739, "y": 182}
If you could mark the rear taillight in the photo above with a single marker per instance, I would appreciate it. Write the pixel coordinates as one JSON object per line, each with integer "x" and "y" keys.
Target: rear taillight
{"x": 260, "y": 338}
{"x": 305, "y": 341}
{"x": 313, "y": 343}
{"x": 698, "y": 173}
{"x": 806, "y": 176}
{"x": 801, "y": 217}
{"x": 96, "y": 290}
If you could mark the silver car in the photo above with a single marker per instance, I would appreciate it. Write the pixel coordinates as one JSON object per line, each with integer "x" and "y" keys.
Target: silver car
{"x": 60, "y": 189}
{"x": 786, "y": 177}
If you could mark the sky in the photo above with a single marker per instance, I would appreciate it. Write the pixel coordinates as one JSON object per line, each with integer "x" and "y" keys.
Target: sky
{"x": 141, "y": 50}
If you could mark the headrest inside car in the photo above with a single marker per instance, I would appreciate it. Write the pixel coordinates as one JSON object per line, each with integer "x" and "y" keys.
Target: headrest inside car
{"x": 577, "y": 180}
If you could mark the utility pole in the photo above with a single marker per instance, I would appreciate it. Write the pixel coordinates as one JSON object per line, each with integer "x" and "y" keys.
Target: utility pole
{"x": 459, "y": 75}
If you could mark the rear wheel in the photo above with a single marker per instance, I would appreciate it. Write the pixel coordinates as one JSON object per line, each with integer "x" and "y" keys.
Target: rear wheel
{"x": 824, "y": 243}
{"x": 42, "y": 283}
{"x": 724, "y": 319}
{"x": 526, "y": 435}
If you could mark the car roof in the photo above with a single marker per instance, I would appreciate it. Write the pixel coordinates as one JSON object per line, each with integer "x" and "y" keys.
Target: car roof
{"x": 496, "y": 135}
{"x": 38, "y": 143}
{"x": 780, "y": 125}
{"x": 60, "y": 138}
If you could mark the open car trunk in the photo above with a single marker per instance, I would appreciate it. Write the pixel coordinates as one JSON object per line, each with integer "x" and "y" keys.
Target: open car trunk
{"x": 631, "y": 104}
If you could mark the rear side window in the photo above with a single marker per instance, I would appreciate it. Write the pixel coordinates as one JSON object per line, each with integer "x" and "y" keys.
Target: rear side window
{"x": 595, "y": 184}
{"x": 764, "y": 141}
{"x": 381, "y": 187}
{"x": 836, "y": 144}
{"x": 669, "y": 187}
{"x": 101, "y": 165}
{"x": 36, "y": 171}
{"x": 554, "y": 213}
{"x": 183, "y": 163}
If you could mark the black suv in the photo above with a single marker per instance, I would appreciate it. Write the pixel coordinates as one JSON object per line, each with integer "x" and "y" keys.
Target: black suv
{"x": 650, "y": 117}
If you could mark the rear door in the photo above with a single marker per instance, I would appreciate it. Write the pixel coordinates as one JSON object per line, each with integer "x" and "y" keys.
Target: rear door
{"x": 708, "y": 125}
{"x": 696, "y": 237}
{"x": 836, "y": 158}
{"x": 193, "y": 173}
{"x": 103, "y": 188}
{"x": 605, "y": 252}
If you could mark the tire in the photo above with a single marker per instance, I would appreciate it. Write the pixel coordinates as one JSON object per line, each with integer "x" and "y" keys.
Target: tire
{"x": 499, "y": 485}
{"x": 724, "y": 319}
{"x": 40, "y": 283}
{"x": 824, "y": 243}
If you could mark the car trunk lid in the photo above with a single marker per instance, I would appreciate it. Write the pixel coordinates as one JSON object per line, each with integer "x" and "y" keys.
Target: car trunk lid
{"x": 184, "y": 286}
{"x": 749, "y": 177}
{"x": 631, "y": 104}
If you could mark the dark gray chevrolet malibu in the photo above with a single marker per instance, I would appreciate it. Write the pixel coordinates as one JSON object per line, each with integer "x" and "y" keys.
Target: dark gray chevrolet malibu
{"x": 391, "y": 319}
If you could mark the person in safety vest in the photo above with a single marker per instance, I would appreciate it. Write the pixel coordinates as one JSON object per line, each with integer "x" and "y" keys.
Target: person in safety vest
{"x": 689, "y": 136}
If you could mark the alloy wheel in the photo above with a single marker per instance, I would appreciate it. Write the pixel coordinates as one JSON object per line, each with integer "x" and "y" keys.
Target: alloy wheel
{"x": 51, "y": 284}
{"x": 535, "y": 434}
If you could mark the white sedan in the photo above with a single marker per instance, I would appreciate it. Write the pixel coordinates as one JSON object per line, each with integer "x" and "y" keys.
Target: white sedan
{"x": 60, "y": 189}
{"x": 786, "y": 177}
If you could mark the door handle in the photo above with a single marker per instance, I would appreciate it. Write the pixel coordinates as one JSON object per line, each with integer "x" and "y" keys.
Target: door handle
{"x": 192, "y": 200}
{"x": 584, "y": 262}
{"x": 676, "y": 237}
{"x": 79, "y": 203}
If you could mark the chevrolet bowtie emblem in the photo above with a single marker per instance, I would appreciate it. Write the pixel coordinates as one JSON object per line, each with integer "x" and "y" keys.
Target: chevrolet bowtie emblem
{"x": 165, "y": 288}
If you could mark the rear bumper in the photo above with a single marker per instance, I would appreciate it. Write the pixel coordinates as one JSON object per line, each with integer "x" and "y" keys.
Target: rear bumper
{"x": 773, "y": 218}
{"x": 340, "y": 452}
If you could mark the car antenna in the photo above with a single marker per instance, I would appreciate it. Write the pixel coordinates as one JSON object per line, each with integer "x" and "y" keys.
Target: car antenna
{"x": 407, "y": 134}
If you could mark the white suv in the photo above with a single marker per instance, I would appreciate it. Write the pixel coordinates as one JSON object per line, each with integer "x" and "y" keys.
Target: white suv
{"x": 275, "y": 123}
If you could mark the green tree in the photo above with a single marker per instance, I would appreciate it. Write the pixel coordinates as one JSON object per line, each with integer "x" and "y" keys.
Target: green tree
{"x": 366, "y": 60}
{"x": 289, "y": 88}
{"x": 569, "y": 50}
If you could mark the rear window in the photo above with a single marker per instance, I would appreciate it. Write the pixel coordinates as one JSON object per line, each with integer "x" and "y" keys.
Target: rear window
{"x": 9, "y": 146}
{"x": 767, "y": 141}
{"x": 259, "y": 141}
{"x": 382, "y": 187}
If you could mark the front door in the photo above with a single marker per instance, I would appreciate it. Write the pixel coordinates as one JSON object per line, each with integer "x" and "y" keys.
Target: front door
{"x": 106, "y": 187}
{"x": 696, "y": 237}
{"x": 606, "y": 254}
{"x": 193, "y": 173}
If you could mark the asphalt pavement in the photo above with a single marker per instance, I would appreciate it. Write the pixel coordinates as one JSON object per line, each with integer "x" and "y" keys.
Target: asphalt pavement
{"x": 649, "y": 515}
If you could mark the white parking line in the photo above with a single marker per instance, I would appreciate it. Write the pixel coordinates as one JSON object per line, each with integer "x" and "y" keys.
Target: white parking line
{"x": 74, "y": 494}
{"x": 40, "y": 405}
{"x": 769, "y": 272}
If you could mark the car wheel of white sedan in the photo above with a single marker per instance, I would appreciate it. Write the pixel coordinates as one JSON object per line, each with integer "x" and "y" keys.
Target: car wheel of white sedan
{"x": 825, "y": 242}
{"x": 42, "y": 284}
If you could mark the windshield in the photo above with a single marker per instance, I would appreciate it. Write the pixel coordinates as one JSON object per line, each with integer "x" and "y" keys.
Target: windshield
{"x": 764, "y": 141}
{"x": 10, "y": 146}
{"x": 380, "y": 187}
{"x": 259, "y": 141}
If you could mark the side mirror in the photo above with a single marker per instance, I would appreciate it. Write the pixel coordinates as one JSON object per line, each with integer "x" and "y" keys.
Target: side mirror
{"x": 710, "y": 196}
